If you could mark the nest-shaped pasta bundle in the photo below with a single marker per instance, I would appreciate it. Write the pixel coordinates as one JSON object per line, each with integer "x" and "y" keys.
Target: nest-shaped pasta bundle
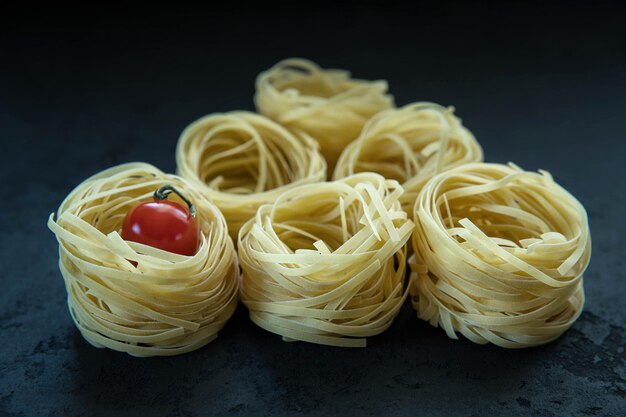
{"x": 135, "y": 298}
{"x": 328, "y": 105}
{"x": 326, "y": 262}
{"x": 499, "y": 255}
{"x": 241, "y": 160}
{"x": 411, "y": 145}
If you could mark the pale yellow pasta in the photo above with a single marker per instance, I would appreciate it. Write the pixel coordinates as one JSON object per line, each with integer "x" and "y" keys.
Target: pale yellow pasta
{"x": 499, "y": 255}
{"x": 411, "y": 145}
{"x": 328, "y": 105}
{"x": 326, "y": 262}
{"x": 241, "y": 160}
{"x": 135, "y": 298}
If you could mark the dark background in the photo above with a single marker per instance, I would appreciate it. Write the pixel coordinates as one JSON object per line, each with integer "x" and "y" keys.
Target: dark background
{"x": 82, "y": 90}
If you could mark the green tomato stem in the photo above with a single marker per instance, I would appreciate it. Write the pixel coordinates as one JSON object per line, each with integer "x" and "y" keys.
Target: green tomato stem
{"x": 163, "y": 192}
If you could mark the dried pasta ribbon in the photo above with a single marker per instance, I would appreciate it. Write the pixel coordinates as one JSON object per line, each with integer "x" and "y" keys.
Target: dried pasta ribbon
{"x": 241, "y": 160}
{"x": 411, "y": 145}
{"x": 325, "y": 263}
{"x": 328, "y": 105}
{"x": 135, "y": 298}
{"x": 499, "y": 255}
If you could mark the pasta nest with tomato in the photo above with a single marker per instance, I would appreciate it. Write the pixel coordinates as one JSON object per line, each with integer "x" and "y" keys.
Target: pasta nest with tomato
{"x": 325, "y": 263}
{"x": 411, "y": 145}
{"x": 136, "y": 298}
{"x": 328, "y": 105}
{"x": 241, "y": 160}
{"x": 499, "y": 255}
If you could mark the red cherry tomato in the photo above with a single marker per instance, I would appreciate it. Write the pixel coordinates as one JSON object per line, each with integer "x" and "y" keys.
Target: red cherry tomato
{"x": 162, "y": 224}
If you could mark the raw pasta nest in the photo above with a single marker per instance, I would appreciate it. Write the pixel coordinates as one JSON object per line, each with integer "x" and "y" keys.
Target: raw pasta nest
{"x": 135, "y": 298}
{"x": 410, "y": 145}
{"x": 328, "y": 105}
{"x": 499, "y": 255}
{"x": 241, "y": 160}
{"x": 326, "y": 262}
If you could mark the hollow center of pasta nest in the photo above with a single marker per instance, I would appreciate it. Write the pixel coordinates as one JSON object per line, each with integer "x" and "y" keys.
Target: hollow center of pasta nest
{"x": 319, "y": 218}
{"x": 527, "y": 220}
{"x": 241, "y": 163}
{"x": 403, "y": 155}
{"x": 312, "y": 86}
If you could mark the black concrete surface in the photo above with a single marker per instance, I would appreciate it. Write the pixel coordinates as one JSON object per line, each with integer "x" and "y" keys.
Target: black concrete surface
{"x": 544, "y": 87}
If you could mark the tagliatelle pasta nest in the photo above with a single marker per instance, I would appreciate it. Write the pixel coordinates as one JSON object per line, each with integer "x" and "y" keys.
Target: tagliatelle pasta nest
{"x": 325, "y": 263}
{"x": 499, "y": 255}
{"x": 241, "y": 160}
{"x": 328, "y": 105}
{"x": 135, "y": 298}
{"x": 411, "y": 145}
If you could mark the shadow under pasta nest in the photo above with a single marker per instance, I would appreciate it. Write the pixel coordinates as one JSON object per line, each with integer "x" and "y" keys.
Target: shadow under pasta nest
{"x": 411, "y": 355}
{"x": 158, "y": 381}
{"x": 297, "y": 376}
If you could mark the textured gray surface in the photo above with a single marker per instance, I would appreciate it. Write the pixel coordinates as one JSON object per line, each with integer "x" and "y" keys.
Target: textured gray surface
{"x": 77, "y": 98}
